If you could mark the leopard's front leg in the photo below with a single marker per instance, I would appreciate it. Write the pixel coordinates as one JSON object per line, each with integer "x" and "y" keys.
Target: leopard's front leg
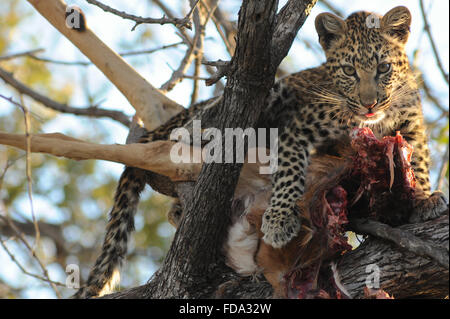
{"x": 280, "y": 221}
{"x": 427, "y": 205}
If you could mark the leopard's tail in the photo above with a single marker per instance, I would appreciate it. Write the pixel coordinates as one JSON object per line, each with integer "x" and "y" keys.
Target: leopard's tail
{"x": 105, "y": 274}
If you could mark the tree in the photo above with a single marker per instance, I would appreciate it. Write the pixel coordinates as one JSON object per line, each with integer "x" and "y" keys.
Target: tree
{"x": 264, "y": 36}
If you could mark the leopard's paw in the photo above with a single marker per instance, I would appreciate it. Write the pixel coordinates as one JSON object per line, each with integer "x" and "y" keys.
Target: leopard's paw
{"x": 429, "y": 208}
{"x": 279, "y": 226}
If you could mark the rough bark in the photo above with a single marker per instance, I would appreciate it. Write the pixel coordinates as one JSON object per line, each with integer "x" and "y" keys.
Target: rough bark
{"x": 194, "y": 267}
{"x": 402, "y": 274}
{"x": 182, "y": 275}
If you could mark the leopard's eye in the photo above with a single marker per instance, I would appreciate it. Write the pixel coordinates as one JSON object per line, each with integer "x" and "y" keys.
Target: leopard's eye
{"x": 349, "y": 70}
{"x": 383, "y": 68}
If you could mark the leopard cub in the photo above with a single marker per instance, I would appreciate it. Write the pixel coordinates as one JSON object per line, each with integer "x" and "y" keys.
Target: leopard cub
{"x": 365, "y": 81}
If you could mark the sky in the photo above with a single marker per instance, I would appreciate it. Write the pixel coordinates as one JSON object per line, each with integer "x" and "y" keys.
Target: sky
{"x": 157, "y": 68}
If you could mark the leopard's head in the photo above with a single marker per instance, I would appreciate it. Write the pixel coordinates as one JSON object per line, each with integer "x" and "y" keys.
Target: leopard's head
{"x": 366, "y": 58}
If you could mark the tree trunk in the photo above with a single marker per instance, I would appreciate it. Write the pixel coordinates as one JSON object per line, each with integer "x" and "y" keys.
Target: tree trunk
{"x": 194, "y": 266}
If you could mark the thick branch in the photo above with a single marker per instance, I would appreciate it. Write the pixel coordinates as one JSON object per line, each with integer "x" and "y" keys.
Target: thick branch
{"x": 153, "y": 107}
{"x": 402, "y": 274}
{"x": 192, "y": 259}
{"x": 153, "y": 156}
{"x": 403, "y": 239}
{"x": 289, "y": 20}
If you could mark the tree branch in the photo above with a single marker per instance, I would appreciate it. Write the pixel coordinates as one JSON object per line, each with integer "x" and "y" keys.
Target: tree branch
{"x": 223, "y": 68}
{"x": 46, "y": 229}
{"x": 153, "y": 156}
{"x": 185, "y": 36}
{"x": 289, "y": 21}
{"x": 152, "y": 106}
{"x": 181, "y": 23}
{"x": 402, "y": 274}
{"x": 191, "y": 259}
{"x": 20, "y": 54}
{"x": 31, "y": 55}
{"x": 22, "y": 239}
{"x": 433, "y": 45}
{"x": 229, "y": 28}
{"x": 403, "y": 239}
{"x": 193, "y": 51}
{"x": 92, "y": 111}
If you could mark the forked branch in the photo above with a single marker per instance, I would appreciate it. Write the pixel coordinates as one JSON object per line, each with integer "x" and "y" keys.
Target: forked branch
{"x": 152, "y": 106}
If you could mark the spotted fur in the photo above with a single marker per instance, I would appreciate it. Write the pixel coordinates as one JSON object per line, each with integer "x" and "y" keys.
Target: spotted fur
{"x": 365, "y": 81}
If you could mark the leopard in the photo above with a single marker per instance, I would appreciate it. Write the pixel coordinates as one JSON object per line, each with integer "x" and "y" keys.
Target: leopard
{"x": 366, "y": 81}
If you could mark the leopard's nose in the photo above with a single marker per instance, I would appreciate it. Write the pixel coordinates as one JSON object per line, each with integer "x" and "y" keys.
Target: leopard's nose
{"x": 369, "y": 104}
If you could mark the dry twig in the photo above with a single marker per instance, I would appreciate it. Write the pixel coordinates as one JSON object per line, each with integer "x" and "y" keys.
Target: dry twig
{"x": 403, "y": 239}
{"x": 180, "y": 23}
{"x": 433, "y": 44}
{"x": 223, "y": 68}
{"x": 28, "y": 163}
{"x": 195, "y": 51}
{"x": 21, "y": 237}
{"x": 20, "y": 54}
{"x": 91, "y": 111}
{"x": 22, "y": 268}
{"x": 151, "y": 105}
{"x": 32, "y": 55}
{"x": 186, "y": 38}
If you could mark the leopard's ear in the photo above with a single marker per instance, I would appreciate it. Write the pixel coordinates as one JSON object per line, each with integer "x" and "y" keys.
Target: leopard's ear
{"x": 396, "y": 23}
{"x": 330, "y": 28}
